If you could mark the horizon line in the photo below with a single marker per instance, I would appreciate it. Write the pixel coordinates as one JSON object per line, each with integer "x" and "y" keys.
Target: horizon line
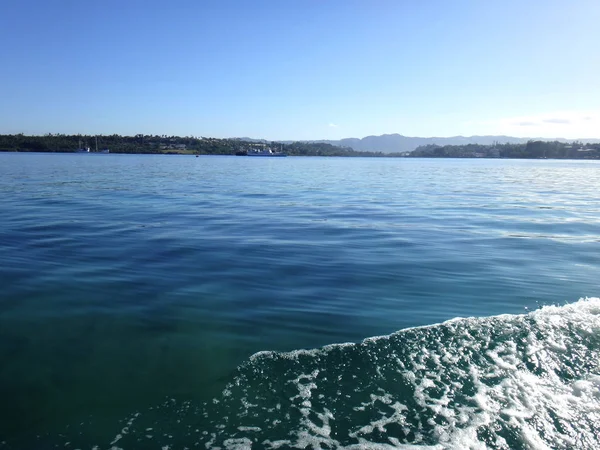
{"x": 314, "y": 140}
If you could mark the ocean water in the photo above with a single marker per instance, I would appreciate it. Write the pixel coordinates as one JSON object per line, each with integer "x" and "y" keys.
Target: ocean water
{"x": 316, "y": 303}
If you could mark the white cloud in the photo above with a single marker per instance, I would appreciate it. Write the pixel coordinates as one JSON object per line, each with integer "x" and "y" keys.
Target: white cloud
{"x": 558, "y": 120}
{"x": 565, "y": 124}
{"x": 332, "y": 125}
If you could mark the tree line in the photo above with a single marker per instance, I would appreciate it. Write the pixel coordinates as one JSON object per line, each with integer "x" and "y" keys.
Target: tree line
{"x": 163, "y": 144}
{"x": 531, "y": 150}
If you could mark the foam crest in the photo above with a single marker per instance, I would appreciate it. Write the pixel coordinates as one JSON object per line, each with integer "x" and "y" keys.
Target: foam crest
{"x": 529, "y": 381}
{"x": 503, "y": 382}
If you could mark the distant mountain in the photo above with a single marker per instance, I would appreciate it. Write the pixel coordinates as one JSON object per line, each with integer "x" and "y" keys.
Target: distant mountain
{"x": 247, "y": 139}
{"x": 396, "y": 143}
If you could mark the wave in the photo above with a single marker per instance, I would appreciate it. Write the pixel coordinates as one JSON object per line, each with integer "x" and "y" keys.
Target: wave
{"x": 502, "y": 382}
{"x": 529, "y": 381}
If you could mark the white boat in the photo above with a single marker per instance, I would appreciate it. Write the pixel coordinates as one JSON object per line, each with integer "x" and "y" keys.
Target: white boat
{"x": 264, "y": 152}
{"x": 101, "y": 151}
{"x": 87, "y": 149}
{"x": 82, "y": 149}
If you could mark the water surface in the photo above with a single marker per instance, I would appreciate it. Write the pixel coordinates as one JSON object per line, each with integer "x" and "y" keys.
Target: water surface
{"x": 133, "y": 284}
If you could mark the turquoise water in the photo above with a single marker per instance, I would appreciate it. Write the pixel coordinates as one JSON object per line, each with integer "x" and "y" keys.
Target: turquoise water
{"x": 138, "y": 290}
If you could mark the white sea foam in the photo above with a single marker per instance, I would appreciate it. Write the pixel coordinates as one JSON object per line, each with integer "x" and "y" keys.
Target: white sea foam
{"x": 525, "y": 381}
{"x": 529, "y": 381}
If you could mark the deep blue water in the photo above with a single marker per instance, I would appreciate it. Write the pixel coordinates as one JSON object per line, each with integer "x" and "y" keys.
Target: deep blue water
{"x": 135, "y": 290}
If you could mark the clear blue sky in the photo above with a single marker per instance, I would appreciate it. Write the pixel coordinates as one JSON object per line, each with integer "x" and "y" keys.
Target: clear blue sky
{"x": 301, "y": 69}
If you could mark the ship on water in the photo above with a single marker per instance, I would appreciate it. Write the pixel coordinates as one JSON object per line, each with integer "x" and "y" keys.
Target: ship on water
{"x": 86, "y": 149}
{"x": 261, "y": 151}
{"x": 81, "y": 149}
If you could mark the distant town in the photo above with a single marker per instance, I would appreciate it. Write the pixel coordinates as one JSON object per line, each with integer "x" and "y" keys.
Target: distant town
{"x": 163, "y": 144}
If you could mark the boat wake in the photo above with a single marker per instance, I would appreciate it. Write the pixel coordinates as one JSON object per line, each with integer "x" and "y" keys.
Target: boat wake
{"x": 505, "y": 382}
{"x": 528, "y": 381}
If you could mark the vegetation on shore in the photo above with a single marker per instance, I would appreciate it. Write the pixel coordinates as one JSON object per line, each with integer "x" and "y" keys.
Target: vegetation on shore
{"x": 213, "y": 146}
{"x": 529, "y": 150}
{"x": 165, "y": 145}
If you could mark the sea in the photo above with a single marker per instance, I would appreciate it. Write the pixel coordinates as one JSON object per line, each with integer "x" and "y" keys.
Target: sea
{"x": 221, "y": 302}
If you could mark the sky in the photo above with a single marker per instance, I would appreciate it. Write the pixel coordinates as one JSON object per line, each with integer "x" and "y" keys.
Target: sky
{"x": 301, "y": 69}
